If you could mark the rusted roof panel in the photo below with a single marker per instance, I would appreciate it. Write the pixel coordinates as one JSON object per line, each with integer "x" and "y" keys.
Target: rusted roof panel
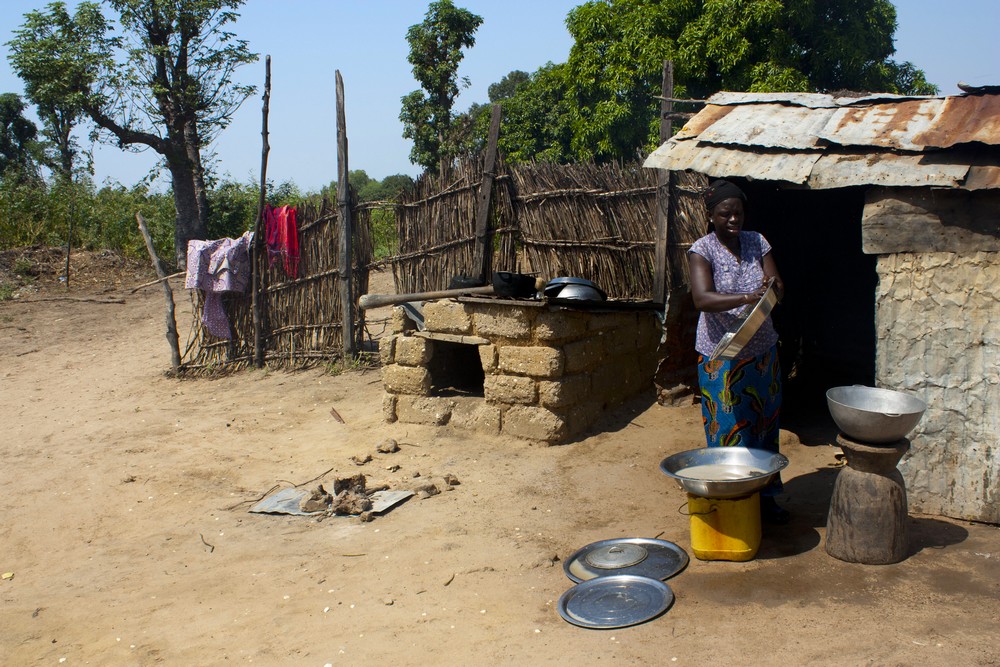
{"x": 769, "y": 126}
{"x": 722, "y": 161}
{"x": 882, "y": 125}
{"x": 702, "y": 120}
{"x": 982, "y": 178}
{"x": 837, "y": 170}
{"x": 964, "y": 119}
{"x": 811, "y": 100}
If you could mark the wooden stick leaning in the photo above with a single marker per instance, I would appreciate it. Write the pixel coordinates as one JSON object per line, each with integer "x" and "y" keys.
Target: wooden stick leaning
{"x": 175, "y": 352}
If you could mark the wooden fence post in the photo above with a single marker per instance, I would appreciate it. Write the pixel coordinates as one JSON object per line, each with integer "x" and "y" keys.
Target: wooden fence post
{"x": 483, "y": 252}
{"x": 663, "y": 194}
{"x": 175, "y": 351}
{"x": 346, "y": 228}
{"x": 259, "y": 244}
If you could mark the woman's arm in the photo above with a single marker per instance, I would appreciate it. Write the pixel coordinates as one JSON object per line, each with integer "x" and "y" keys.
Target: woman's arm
{"x": 703, "y": 288}
{"x": 771, "y": 271}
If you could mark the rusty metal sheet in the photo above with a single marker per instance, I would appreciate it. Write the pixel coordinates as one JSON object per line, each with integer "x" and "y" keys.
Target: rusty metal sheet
{"x": 889, "y": 125}
{"x": 721, "y": 161}
{"x": 982, "y": 178}
{"x": 811, "y": 100}
{"x": 964, "y": 119}
{"x": 835, "y": 170}
{"x": 703, "y": 119}
{"x": 769, "y": 126}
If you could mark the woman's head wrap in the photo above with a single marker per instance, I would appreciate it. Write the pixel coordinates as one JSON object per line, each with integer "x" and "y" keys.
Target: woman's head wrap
{"x": 719, "y": 191}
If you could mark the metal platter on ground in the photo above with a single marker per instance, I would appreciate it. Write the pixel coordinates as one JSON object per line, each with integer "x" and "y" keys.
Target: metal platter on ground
{"x": 615, "y": 602}
{"x": 637, "y": 556}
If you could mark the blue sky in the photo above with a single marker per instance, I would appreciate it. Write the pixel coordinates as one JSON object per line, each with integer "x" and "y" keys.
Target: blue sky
{"x": 365, "y": 39}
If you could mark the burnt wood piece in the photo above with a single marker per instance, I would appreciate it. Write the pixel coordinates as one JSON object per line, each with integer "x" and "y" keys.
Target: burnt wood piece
{"x": 868, "y": 510}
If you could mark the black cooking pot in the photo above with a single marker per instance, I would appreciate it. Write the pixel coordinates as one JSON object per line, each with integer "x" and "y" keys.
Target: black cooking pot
{"x": 517, "y": 285}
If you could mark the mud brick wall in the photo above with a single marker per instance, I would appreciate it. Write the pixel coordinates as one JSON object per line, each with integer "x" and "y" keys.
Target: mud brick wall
{"x": 938, "y": 329}
{"x": 548, "y": 373}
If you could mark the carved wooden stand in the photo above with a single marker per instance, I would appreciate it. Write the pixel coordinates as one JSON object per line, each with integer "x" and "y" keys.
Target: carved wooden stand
{"x": 868, "y": 512}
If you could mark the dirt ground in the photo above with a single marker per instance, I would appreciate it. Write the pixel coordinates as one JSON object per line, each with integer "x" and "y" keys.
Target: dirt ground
{"x": 126, "y": 532}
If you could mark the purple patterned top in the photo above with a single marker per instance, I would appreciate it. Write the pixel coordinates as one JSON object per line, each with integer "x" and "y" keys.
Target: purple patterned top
{"x": 733, "y": 275}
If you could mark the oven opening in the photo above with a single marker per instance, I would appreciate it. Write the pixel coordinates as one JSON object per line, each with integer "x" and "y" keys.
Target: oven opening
{"x": 455, "y": 369}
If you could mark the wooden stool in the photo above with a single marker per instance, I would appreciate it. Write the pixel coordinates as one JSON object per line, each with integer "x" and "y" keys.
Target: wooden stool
{"x": 868, "y": 513}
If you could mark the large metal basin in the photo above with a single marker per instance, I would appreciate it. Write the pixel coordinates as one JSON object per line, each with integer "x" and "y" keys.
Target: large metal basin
{"x": 701, "y": 471}
{"x": 873, "y": 415}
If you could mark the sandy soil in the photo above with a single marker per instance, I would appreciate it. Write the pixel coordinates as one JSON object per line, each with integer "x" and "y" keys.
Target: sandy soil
{"x": 126, "y": 530}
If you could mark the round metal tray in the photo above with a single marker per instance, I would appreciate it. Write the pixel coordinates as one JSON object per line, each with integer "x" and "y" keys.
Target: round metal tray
{"x": 746, "y": 326}
{"x": 615, "y": 602}
{"x": 639, "y": 556}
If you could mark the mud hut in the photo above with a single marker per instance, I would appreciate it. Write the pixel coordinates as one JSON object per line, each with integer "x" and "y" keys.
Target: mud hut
{"x": 884, "y": 213}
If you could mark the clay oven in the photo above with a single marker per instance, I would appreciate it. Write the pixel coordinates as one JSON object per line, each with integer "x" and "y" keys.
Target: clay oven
{"x": 517, "y": 367}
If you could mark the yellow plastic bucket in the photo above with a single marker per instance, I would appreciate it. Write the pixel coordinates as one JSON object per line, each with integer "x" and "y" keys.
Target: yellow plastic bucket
{"x": 725, "y": 528}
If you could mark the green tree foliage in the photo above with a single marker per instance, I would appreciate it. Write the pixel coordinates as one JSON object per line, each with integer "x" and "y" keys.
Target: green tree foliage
{"x": 52, "y": 53}
{"x": 17, "y": 139}
{"x": 435, "y": 52}
{"x": 602, "y": 103}
{"x": 164, "y": 82}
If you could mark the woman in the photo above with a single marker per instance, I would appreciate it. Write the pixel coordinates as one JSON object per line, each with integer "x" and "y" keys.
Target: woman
{"x": 740, "y": 398}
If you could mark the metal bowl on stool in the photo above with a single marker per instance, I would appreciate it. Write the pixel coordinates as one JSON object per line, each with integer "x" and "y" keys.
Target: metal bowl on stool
{"x": 723, "y": 472}
{"x": 877, "y": 416}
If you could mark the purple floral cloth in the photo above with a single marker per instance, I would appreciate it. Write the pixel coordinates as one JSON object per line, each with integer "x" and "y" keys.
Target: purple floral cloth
{"x": 733, "y": 275}
{"x": 218, "y": 266}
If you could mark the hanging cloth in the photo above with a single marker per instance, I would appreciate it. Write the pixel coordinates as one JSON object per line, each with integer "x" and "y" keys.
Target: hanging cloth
{"x": 216, "y": 267}
{"x": 282, "y": 234}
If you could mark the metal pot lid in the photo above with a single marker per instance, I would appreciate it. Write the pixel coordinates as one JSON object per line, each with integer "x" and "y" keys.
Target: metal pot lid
{"x": 659, "y": 560}
{"x": 615, "y": 602}
{"x": 613, "y": 556}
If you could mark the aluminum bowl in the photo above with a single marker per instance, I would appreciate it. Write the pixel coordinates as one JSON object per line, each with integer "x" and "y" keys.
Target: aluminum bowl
{"x": 755, "y": 468}
{"x": 874, "y": 415}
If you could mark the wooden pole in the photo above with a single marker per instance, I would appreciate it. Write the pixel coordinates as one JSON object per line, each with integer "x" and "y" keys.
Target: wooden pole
{"x": 346, "y": 228}
{"x": 482, "y": 255}
{"x": 258, "y": 249}
{"x": 175, "y": 350}
{"x": 663, "y": 180}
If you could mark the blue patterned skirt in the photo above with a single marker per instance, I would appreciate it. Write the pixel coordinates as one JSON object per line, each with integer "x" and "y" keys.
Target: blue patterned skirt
{"x": 740, "y": 403}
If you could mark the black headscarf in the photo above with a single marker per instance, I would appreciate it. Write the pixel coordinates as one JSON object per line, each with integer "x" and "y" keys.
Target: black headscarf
{"x": 721, "y": 190}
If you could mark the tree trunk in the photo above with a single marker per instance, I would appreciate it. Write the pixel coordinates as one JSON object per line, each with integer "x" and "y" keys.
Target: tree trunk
{"x": 188, "y": 224}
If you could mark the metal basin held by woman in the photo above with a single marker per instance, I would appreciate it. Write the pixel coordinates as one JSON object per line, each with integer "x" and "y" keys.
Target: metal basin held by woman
{"x": 723, "y": 472}
{"x": 873, "y": 415}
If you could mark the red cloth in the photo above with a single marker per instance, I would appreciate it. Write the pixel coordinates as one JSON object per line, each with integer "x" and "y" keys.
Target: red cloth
{"x": 282, "y": 233}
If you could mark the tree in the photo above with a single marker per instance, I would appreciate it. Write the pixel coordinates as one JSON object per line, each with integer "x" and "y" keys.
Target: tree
{"x": 17, "y": 139}
{"x": 435, "y": 52}
{"x": 165, "y": 83}
{"x": 53, "y": 84}
{"x": 602, "y": 103}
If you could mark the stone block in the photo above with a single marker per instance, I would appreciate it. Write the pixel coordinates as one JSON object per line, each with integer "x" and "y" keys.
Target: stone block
{"x": 542, "y": 362}
{"x": 584, "y": 355}
{"x": 474, "y": 415}
{"x": 413, "y": 351}
{"x": 534, "y": 423}
{"x": 566, "y": 391}
{"x": 488, "y": 357}
{"x": 389, "y": 408}
{"x": 610, "y": 321}
{"x": 387, "y": 350}
{"x": 447, "y": 316}
{"x": 406, "y": 380}
{"x": 510, "y": 389}
{"x": 559, "y": 325}
{"x": 503, "y": 322}
{"x": 424, "y": 410}
{"x": 400, "y": 323}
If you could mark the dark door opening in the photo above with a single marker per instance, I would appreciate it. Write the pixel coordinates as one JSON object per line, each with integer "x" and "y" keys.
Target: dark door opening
{"x": 826, "y": 321}
{"x": 455, "y": 369}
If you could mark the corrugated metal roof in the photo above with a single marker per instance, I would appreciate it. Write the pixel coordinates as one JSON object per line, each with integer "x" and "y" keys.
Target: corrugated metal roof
{"x": 770, "y": 126}
{"x": 825, "y": 142}
{"x": 731, "y": 161}
{"x": 882, "y": 125}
